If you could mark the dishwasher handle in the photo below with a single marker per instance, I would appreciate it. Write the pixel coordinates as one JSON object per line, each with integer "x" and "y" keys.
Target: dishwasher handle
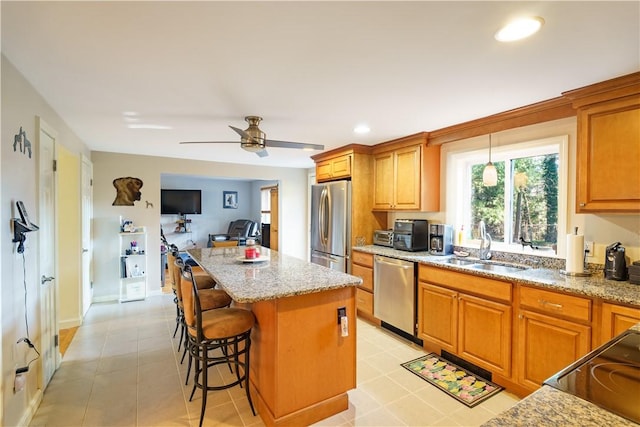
{"x": 400, "y": 264}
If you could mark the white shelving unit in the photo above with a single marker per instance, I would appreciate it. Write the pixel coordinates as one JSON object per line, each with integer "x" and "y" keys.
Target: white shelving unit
{"x": 133, "y": 265}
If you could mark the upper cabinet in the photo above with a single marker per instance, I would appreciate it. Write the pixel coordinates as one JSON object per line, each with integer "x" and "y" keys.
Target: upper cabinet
{"x": 608, "y": 146}
{"x": 334, "y": 168}
{"x": 406, "y": 175}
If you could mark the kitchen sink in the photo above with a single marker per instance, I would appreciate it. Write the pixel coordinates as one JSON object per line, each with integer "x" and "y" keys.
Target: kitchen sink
{"x": 498, "y": 268}
{"x": 458, "y": 261}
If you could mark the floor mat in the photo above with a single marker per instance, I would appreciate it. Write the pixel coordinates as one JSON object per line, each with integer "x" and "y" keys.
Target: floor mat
{"x": 459, "y": 383}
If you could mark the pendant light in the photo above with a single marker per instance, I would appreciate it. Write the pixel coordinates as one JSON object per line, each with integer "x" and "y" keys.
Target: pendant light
{"x": 490, "y": 174}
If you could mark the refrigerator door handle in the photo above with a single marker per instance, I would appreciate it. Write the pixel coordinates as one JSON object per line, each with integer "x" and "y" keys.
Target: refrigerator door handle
{"x": 323, "y": 222}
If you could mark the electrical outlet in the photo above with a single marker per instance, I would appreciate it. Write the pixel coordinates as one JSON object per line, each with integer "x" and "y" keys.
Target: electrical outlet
{"x": 588, "y": 246}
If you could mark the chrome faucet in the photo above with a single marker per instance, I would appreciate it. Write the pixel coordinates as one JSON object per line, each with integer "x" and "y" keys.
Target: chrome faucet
{"x": 485, "y": 242}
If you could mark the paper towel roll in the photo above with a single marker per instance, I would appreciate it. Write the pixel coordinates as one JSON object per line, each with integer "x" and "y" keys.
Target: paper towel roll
{"x": 575, "y": 253}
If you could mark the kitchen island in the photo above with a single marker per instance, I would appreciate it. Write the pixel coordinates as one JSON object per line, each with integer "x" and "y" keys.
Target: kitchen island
{"x": 301, "y": 364}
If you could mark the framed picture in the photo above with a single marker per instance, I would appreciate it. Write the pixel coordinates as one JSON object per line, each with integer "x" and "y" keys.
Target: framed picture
{"x": 230, "y": 199}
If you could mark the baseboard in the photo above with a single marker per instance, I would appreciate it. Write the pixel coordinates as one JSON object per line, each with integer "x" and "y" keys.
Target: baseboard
{"x": 106, "y": 298}
{"x": 33, "y": 406}
{"x": 70, "y": 323}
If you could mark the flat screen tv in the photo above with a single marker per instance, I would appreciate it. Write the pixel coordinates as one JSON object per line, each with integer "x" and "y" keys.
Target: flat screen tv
{"x": 180, "y": 202}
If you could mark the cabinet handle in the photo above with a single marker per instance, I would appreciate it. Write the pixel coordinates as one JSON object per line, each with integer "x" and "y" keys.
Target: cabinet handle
{"x": 520, "y": 316}
{"x": 550, "y": 304}
{"x": 582, "y": 205}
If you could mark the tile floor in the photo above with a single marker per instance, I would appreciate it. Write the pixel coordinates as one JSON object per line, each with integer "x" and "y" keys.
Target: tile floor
{"x": 122, "y": 369}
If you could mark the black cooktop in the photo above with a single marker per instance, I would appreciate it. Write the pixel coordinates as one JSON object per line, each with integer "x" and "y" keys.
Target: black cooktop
{"x": 608, "y": 377}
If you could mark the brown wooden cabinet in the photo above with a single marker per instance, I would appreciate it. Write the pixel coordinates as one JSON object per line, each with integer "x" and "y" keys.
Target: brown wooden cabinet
{"x": 334, "y": 168}
{"x": 362, "y": 266}
{"x": 467, "y": 315}
{"x": 617, "y": 319}
{"x": 406, "y": 175}
{"x": 553, "y": 332}
{"x": 608, "y": 147}
{"x": 353, "y": 162}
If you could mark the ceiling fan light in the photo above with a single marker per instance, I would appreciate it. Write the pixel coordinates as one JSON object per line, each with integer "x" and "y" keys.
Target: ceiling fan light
{"x": 490, "y": 175}
{"x": 252, "y": 146}
{"x": 519, "y": 29}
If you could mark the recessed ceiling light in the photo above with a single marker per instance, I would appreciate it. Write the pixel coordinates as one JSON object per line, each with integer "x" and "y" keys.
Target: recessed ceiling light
{"x": 362, "y": 128}
{"x": 519, "y": 29}
{"x": 129, "y": 113}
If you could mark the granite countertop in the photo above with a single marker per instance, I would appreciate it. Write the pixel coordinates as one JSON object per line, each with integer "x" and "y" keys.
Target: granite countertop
{"x": 550, "y": 407}
{"x": 591, "y": 286}
{"x": 278, "y": 277}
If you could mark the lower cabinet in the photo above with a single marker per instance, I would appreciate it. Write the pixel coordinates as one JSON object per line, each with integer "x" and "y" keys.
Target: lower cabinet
{"x": 477, "y": 328}
{"x": 362, "y": 266}
{"x": 616, "y": 319}
{"x": 553, "y": 332}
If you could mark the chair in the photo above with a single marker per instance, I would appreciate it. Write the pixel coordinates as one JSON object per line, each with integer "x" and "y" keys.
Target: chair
{"x": 240, "y": 230}
{"x": 211, "y": 299}
{"x": 224, "y": 243}
{"x": 215, "y": 337}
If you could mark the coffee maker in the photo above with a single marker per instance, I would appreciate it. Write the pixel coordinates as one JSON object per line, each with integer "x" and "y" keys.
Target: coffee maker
{"x": 440, "y": 239}
{"x": 615, "y": 262}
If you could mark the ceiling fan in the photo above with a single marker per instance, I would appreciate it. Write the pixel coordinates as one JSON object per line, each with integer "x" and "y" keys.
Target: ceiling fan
{"x": 254, "y": 140}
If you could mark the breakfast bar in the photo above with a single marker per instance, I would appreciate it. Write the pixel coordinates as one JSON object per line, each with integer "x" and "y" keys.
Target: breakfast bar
{"x": 303, "y": 358}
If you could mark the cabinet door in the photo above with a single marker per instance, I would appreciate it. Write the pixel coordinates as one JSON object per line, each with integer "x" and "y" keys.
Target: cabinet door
{"x": 407, "y": 179}
{"x": 364, "y": 302}
{"x": 383, "y": 181}
{"x": 484, "y": 333}
{"x": 608, "y": 156}
{"x": 547, "y": 345}
{"x": 438, "y": 316}
{"x": 323, "y": 171}
{"x": 616, "y": 319}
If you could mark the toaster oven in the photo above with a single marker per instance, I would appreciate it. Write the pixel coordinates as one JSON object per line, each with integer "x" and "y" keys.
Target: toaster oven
{"x": 383, "y": 238}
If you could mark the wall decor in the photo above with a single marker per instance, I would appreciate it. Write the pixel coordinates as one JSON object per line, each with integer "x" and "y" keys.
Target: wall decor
{"x": 230, "y": 199}
{"x": 20, "y": 140}
{"x": 127, "y": 191}
{"x": 149, "y": 204}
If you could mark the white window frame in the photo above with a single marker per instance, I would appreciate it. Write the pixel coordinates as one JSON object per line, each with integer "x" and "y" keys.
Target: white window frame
{"x": 459, "y": 166}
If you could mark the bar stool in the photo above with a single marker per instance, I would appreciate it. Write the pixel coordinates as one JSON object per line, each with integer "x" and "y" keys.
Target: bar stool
{"x": 210, "y": 299}
{"x": 225, "y": 329}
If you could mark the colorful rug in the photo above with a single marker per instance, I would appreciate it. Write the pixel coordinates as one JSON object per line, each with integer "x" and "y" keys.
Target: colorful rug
{"x": 458, "y": 383}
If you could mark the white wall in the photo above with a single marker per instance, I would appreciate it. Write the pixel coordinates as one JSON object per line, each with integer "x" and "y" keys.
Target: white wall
{"x": 20, "y": 106}
{"x": 108, "y": 166}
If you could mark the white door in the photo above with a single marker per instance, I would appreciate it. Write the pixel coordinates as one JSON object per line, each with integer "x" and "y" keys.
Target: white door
{"x": 47, "y": 238}
{"x": 87, "y": 249}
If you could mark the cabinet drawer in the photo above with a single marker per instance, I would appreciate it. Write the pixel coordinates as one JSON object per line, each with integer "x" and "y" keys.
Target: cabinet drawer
{"x": 366, "y": 274}
{"x": 362, "y": 258}
{"x": 468, "y": 283}
{"x": 364, "y": 301}
{"x": 555, "y": 303}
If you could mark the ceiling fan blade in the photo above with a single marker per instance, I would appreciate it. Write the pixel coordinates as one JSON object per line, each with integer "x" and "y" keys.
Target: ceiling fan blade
{"x": 288, "y": 144}
{"x": 208, "y": 142}
{"x": 262, "y": 153}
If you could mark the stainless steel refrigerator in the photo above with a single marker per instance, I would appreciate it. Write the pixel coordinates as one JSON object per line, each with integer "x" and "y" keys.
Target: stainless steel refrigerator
{"x": 331, "y": 225}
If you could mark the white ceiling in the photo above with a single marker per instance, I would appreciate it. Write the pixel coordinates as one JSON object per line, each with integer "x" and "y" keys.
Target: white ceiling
{"x": 312, "y": 70}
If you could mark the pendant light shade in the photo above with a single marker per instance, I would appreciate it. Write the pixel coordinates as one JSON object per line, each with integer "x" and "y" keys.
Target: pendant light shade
{"x": 490, "y": 174}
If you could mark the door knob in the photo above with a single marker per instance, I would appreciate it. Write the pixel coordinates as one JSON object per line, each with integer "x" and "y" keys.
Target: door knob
{"x": 85, "y": 250}
{"x": 46, "y": 279}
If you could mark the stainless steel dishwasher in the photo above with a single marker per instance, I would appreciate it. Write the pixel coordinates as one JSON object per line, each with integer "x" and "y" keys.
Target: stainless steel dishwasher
{"x": 394, "y": 293}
